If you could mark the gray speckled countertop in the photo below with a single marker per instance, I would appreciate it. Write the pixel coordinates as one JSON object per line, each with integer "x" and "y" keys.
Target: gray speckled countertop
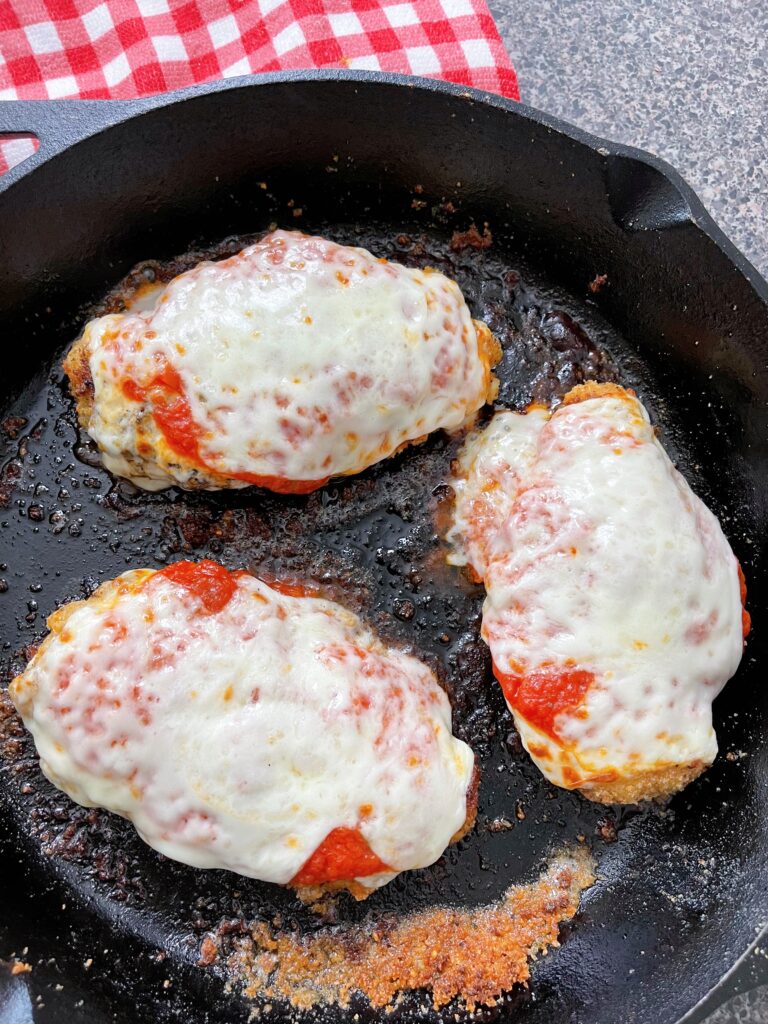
{"x": 685, "y": 79}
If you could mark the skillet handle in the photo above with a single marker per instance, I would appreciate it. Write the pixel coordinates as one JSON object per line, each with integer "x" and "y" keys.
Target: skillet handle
{"x": 60, "y": 123}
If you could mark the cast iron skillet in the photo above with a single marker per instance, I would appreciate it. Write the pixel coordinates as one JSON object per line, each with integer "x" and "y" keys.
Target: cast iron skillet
{"x": 111, "y": 929}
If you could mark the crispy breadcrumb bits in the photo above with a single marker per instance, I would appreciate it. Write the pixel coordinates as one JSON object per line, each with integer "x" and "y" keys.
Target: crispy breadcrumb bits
{"x": 208, "y": 952}
{"x": 500, "y": 824}
{"x": 606, "y": 829}
{"x": 471, "y": 239}
{"x": 13, "y": 426}
{"x": 469, "y": 955}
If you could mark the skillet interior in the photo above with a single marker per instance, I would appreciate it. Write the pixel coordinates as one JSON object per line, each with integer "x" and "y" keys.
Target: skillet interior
{"x": 680, "y": 891}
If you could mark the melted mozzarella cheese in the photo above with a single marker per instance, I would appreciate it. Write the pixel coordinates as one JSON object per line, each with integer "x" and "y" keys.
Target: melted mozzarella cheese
{"x": 300, "y": 359}
{"x": 610, "y": 588}
{"x": 240, "y": 739}
{"x": 491, "y": 467}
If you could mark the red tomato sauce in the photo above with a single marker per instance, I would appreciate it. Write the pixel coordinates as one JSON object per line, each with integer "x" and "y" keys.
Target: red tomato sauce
{"x": 541, "y": 696}
{"x": 170, "y": 409}
{"x": 210, "y": 582}
{"x": 291, "y": 588}
{"x": 746, "y": 618}
{"x": 172, "y": 413}
{"x": 343, "y": 855}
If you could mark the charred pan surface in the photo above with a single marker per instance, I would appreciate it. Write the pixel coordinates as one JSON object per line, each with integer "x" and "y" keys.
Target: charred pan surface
{"x": 370, "y": 541}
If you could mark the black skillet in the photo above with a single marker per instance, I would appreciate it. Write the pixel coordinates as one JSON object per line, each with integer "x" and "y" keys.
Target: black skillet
{"x": 112, "y": 930}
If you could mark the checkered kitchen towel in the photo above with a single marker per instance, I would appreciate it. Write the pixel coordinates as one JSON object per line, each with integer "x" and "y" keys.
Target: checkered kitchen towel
{"x": 120, "y": 49}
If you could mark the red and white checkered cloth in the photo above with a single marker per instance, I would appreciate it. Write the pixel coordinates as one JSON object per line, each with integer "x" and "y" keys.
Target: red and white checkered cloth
{"x": 118, "y": 49}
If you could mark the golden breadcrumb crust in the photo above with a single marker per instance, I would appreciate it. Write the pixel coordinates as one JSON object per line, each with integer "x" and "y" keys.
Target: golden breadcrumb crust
{"x": 490, "y": 352}
{"x": 471, "y": 955}
{"x": 591, "y": 389}
{"x": 652, "y": 784}
{"x": 78, "y": 370}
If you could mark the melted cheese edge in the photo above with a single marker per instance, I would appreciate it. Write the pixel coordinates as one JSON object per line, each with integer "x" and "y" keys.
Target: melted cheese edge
{"x": 597, "y": 555}
{"x": 301, "y": 359}
{"x": 491, "y": 468}
{"x": 240, "y": 739}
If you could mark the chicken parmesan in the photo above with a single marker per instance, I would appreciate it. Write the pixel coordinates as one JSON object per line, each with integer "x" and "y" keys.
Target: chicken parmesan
{"x": 248, "y": 726}
{"x": 615, "y": 605}
{"x": 292, "y": 362}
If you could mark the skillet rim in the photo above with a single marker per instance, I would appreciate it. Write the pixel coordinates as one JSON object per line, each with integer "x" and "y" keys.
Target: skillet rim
{"x": 62, "y": 124}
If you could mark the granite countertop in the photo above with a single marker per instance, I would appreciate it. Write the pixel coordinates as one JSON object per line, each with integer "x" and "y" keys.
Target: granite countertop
{"x": 685, "y": 79}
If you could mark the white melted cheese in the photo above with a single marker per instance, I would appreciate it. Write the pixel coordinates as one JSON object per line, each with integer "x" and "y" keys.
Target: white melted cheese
{"x": 300, "y": 358}
{"x": 605, "y": 561}
{"x": 240, "y": 739}
{"x": 492, "y": 465}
